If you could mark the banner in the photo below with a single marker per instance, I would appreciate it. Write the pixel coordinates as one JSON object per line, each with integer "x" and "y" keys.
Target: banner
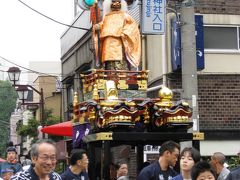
{"x": 79, "y": 131}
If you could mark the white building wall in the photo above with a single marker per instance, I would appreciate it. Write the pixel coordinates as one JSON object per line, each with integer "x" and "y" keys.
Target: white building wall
{"x": 24, "y": 116}
{"x": 70, "y": 37}
{"x": 3, "y": 75}
{"x": 229, "y": 148}
{"x": 15, "y": 117}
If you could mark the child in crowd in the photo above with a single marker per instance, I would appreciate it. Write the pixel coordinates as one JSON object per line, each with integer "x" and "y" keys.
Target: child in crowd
{"x": 203, "y": 171}
{"x": 7, "y": 173}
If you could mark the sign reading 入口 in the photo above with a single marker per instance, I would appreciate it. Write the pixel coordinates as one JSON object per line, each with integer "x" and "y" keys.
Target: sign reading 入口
{"x": 153, "y": 16}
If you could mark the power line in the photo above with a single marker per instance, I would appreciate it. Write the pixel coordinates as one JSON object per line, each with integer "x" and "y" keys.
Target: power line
{"x": 28, "y": 72}
{"x": 37, "y": 72}
{"x": 32, "y": 71}
{"x": 52, "y": 18}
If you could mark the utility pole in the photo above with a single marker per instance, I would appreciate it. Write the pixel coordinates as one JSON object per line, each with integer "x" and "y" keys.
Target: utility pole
{"x": 189, "y": 64}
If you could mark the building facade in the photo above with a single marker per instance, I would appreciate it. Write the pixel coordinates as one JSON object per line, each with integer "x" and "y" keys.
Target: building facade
{"x": 51, "y": 94}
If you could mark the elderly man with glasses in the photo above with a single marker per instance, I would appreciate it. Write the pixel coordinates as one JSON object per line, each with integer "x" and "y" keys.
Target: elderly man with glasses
{"x": 43, "y": 155}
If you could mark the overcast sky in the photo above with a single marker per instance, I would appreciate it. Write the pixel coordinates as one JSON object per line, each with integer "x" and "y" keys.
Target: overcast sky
{"x": 27, "y": 36}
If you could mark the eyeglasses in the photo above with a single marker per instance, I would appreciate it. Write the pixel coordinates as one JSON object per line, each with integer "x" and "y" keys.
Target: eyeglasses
{"x": 46, "y": 158}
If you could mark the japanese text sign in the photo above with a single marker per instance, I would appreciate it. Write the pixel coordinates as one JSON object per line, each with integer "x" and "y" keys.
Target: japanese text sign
{"x": 153, "y": 16}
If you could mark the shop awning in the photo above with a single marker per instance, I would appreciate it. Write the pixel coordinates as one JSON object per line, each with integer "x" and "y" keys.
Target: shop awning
{"x": 60, "y": 129}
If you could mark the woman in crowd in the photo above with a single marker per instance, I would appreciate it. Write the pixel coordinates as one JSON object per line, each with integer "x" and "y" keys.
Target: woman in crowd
{"x": 188, "y": 157}
{"x": 122, "y": 171}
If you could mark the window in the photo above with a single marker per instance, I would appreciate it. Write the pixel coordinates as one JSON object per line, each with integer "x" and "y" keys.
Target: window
{"x": 147, "y": 148}
{"x": 239, "y": 38}
{"x": 221, "y": 38}
{"x": 70, "y": 94}
{"x": 69, "y": 112}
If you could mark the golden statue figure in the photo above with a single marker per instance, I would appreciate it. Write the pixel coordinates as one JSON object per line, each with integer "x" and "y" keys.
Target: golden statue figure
{"x": 119, "y": 37}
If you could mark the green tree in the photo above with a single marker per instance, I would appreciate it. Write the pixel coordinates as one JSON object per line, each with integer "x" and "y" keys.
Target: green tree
{"x": 30, "y": 129}
{"x": 233, "y": 161}
{"x": 8, "y": 98}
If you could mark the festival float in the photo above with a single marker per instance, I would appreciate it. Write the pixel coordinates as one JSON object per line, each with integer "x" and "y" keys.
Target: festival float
{"x": 117, "y": 101}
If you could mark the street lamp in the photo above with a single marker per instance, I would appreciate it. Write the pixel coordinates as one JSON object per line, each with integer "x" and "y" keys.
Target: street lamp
{"x": 14, "y": 74}
{"x": 22, "y": 90}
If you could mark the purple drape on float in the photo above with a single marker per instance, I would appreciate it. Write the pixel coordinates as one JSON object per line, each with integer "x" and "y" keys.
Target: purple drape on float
{"x": 79, "y": 131}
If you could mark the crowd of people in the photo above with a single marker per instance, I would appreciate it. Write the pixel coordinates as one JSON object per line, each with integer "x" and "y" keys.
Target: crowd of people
{"x": 44, "y": 158}
{"x": 191, "y": 166}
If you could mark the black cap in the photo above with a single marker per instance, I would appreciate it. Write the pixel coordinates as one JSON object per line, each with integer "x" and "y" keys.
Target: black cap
{"x": 11, "y": 148}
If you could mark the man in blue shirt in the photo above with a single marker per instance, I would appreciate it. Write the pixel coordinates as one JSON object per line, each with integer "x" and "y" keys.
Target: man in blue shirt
{"x": 78, "y": 166}
{"x": 234, "y": 174}
{"x": 162, "y": 169}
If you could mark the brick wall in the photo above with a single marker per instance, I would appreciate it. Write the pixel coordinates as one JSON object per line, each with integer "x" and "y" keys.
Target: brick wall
{"x": 212, "y": 6}
{"x": 175, "y": 82}
{"x": 219, "y": 100}
{"x": 218, "y": 6}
